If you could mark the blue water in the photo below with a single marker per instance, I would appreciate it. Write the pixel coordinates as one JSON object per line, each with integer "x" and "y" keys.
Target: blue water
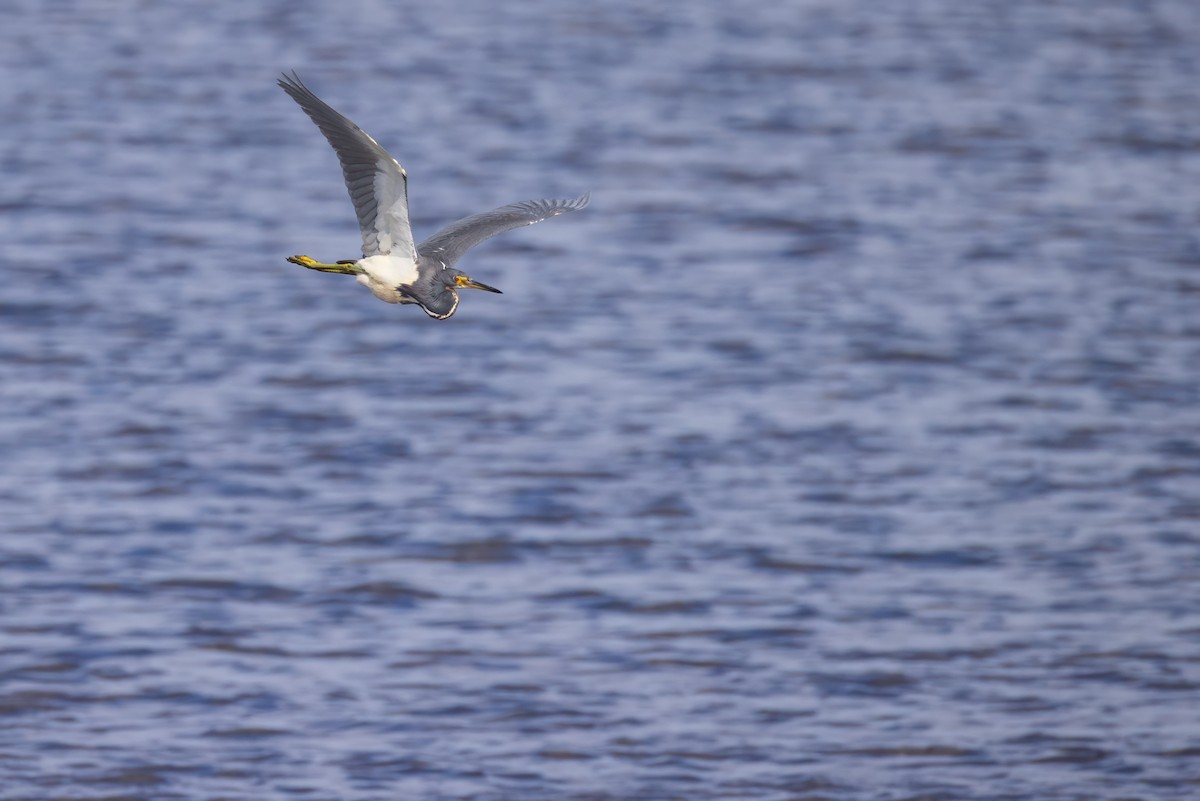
{"x": 846, "y": 447}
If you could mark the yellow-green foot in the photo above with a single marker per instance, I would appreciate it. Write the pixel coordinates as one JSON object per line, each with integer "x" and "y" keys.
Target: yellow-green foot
{"x": 343, "y": 267}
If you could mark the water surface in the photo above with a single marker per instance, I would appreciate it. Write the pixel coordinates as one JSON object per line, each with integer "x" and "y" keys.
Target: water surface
{"x": 847, "y": 447}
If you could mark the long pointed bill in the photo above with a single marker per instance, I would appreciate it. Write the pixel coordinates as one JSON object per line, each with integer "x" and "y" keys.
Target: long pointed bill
{"x": 473, "y": 284}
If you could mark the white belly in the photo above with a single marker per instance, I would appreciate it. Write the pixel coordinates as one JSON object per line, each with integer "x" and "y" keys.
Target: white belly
{"x": 382, "y": 274}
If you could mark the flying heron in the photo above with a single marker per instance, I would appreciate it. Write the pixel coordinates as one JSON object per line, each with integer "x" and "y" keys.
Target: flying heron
{"x": 392, "y": 267}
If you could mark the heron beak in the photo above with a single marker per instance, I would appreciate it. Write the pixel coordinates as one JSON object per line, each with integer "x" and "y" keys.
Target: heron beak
{"x": 472, "y": 284}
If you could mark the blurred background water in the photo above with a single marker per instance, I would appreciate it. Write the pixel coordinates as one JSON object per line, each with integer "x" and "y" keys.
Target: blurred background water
{"x": 847, "y": 447}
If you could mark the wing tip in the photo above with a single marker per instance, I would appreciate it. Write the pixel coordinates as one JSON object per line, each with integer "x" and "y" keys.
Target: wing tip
{"x": 557, "y": 207}
{"x": 287, "y": 80}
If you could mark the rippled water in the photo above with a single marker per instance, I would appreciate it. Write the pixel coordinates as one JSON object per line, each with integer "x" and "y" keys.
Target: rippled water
{"x": 847, "y": 447}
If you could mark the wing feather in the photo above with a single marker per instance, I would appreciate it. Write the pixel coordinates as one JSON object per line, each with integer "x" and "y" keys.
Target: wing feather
{"x": 377, "y": 183}
{"x": 450, "y": 243}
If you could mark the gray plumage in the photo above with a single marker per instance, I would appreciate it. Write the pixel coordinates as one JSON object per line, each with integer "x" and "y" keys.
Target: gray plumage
{"x": 367, "y": 169}
{"x": 450, "y": 243}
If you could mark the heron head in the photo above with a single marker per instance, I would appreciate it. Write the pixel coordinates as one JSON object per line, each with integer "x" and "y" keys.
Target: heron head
{"x": 442, "y": 300}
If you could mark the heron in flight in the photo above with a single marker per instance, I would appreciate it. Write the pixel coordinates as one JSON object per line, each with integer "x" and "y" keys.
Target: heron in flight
{"x": 392, "y": 267}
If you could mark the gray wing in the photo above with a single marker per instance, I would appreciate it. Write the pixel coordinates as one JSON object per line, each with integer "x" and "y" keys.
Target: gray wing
{"x": 450, "y": 243}
{"x": 377, "y": 183}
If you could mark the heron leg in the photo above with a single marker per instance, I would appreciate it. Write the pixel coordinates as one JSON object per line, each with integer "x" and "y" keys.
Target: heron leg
{"x": 342, "y": 267}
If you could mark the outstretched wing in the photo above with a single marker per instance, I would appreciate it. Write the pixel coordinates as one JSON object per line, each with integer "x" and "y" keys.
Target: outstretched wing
{"x": 450, "y": 243}
{"x": 378, "y": 184}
